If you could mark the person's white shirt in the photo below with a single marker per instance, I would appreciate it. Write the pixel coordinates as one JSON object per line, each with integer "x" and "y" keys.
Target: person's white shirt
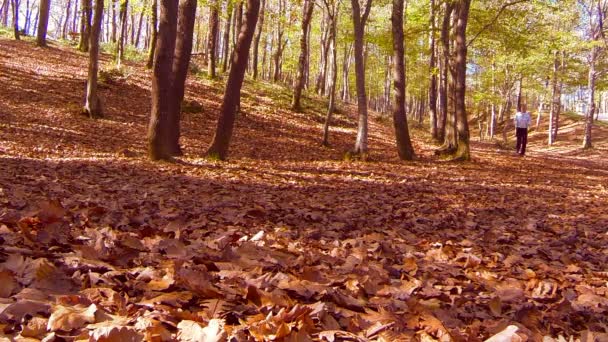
{"x": 522, "y": 119}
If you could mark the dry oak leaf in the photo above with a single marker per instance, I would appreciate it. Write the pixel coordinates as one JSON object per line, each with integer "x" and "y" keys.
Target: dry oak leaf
{"x": 153, "y": 329}
{"x": 36, "y": 327}
{"x": 191, "y": 331}
{"x": 17, "y": 310}
{"x": 8, "y": 285}
{"x": 68, "y": 318}
{"x": 112, "y": 332}
{"x": 509, "y": 334}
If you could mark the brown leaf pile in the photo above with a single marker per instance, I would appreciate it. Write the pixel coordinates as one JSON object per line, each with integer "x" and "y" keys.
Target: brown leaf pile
{"x": 285, "y": 242}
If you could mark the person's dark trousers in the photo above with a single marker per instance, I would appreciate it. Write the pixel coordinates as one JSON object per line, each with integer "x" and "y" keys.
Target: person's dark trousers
{"x": 522, "y": 140}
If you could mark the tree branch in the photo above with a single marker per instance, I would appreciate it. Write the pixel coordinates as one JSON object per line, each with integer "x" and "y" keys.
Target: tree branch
{"x": 487, "y": 26}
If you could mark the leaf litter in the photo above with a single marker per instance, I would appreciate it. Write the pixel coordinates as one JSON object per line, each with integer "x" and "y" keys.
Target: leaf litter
{"x": 282, "y": 243}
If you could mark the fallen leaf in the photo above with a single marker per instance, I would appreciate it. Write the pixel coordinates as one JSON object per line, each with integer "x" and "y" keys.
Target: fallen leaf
{"x": 68, "y": 318}
{"x": 190, "y": 331}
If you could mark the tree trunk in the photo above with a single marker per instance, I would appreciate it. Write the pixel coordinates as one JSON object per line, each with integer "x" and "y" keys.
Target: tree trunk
{"x": 463, "y": 152}
{"x": 4, "y": 12}
{"x": 159, "y": 143}
{"x": 345, "y": 71}
{"x": 154, "y": 33}
{"x": 85, "y": 26}
{"x": 45, "y": 7}
{"x": 445, "y": 131}
{"x": 359, "y": 21}
{"x": 122, "y": 16}
{"x": 139, "y": 25}
{"x": 92, "y": 106}
{"x": 519, "y": 92}
{"x": 555, "y": 102}
{"x": 256, "y": 40}
{"x": 225, "y": 124}
{"x": 16, "y": 19}
{"x": 321, "y": 77}
{"x": 433, "y": 73}
{"x": 226, "y": 39}
{"x": 64, "y": 31}
{"x": 214, "y": 24}
{"x": 402, "y": 135}
{"x": 307, "y": 9}
{"x": 587, "y": 143}
{"x": 113, "y": 10}
{"x": 333, "y": 72}
{"x": 181, "y": 61}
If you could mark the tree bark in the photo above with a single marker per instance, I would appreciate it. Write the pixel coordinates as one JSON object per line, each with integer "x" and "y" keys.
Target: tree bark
{"x": 92, "y": 106}
{"x": 587, "y": 143}
{"x": 225, "y": 124}
{"x": 45, "y": 7}
{"x": 181, "y": 61}
{"x": 307, "y": 9}
{"x": 139, "y": 25}
{"x": 256, "y": 40}
{"x": 154, "y": 33}
{"x": 333, "y": 69}
{"x": 404, "y": 144}
{"x": 214, "y": 24}
{"x": 159, "y": 144}
{"x": 122, "y": 16}
{"x": 433, "y": 73}
{"x": 359, "y": 21}
{"x": 85, "y": 26}
{"x": 16, "y": 19}
{"x": 463, "y": 151}
{"x": 345, "y": 71}
{"x": 64, "y": 31}
{"x": 226, "y": 39}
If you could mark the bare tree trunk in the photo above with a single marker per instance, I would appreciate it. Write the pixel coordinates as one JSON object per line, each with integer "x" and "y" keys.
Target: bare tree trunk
{"x": 555, "y": 102}
{"x": 85, "y": 26}
{"x": 113, "y": 10}
{"x": 16, "y": 19}
{"x": 463, "y": 152}
{"x": 181, "y": 61}
{"x": 345, "y": 71}
{"x": 433, "y": 73}
{"x": 333, "y": 71}
{"x": 214, "y": 23}
{"x": 359, "y": 21}
{"x": 307, "y": 9}
{"x": 402, "y": 135}
{"x": 587, "y": 142}
{"x": 45, "y": 7}
{"x": 256, "y": 40}
{"x": 4, "y": 12}
{"x": 120, "y": 48}
{"x": 64, "y": 31}
{"x": 519, "y": 92}
{"x": 139, "y": 25}
{"x": 92, "y": 106}
{"x": 225, "y": 124}
{"x": 159, "y": 143}
{"x": 322, "y": 76}
{"x": 154, "y": 33}
{"x": 226, "y": 40}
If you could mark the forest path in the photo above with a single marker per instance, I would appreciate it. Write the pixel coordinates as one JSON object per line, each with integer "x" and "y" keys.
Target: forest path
{"x": 427, "y": 247}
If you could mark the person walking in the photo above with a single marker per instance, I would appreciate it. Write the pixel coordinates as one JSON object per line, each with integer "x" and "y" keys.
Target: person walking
{"x": 522, "y": 121}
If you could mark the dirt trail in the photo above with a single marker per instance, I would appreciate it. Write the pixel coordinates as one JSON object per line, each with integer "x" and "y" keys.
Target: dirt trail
{"x": 425, "y": 248}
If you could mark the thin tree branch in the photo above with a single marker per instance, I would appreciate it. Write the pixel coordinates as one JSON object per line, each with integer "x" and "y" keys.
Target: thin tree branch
{"x": 487, "y": 26}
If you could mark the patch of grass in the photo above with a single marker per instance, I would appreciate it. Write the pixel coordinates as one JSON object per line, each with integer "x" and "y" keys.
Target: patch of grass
{"x": 111, "y": 76}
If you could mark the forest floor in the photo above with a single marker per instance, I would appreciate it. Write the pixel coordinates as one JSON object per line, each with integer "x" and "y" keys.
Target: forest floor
{"x": 286, "y": 240}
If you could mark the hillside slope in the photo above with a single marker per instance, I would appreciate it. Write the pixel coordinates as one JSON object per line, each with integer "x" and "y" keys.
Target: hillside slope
{"x": 285, "y": 240}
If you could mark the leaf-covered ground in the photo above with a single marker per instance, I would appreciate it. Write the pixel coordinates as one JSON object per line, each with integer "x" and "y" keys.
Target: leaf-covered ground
{"x": 286, "y": 241}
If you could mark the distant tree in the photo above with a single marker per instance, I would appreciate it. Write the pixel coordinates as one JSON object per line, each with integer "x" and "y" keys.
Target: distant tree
{"x": 122, "y": 17}
{"x": 214, "y": 23}
{"x": 15, "y": 4}
{"x": 45, "y": 7}
{"x": 223, "y": 133}
{"x": 92, "y": 106}
{"x": 226, "y": 37}
{"x": 256, "y": 40}
{"x": 402, "y": 135}
{"x": 332, "y": 7}
{"x": 307, "y": 9}
{"x": 85, "y": 26}
{"x": 359, "y": 21}
{"x": 153, "y": 33}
